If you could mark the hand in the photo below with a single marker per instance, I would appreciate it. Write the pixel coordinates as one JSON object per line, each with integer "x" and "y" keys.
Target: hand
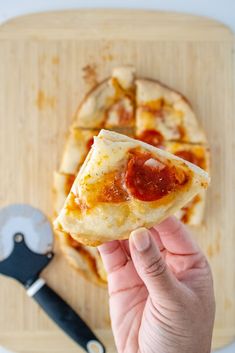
{"x": 161, "y": 291}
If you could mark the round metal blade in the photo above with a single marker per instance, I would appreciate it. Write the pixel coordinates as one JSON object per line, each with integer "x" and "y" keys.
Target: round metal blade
{"x": 29, "y": 221}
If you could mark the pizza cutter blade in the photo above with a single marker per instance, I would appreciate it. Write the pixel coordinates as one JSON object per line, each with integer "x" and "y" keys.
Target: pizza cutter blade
{"x": 26, "y": 240}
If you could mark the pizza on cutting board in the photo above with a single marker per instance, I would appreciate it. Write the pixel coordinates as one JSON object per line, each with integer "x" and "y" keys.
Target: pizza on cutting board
{"x": 155, "y": 115}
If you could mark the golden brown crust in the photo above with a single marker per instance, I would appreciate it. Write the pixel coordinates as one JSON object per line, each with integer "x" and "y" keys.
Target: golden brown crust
{"x": 110, "y": 104}
{"x": 167, "y": 111}
{"x": 169, "y": 88}
{"x": 76, "y": 123}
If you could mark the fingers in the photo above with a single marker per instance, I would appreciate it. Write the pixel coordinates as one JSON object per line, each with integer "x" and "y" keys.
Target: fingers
{"x": 113, "y": 255}
{"x": 121, "y": 272}
{"x": 151, "y": 267}
{"x": 176, "y": 238}
{"x": 156, "y": 236}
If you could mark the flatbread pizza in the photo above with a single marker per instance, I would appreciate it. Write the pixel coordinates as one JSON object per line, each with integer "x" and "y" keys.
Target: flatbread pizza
{"x": 125, "y": 184}
{"x": 152, "y": 113}
{"x": 110, "y": 104}
{"x": 162, "y": 110}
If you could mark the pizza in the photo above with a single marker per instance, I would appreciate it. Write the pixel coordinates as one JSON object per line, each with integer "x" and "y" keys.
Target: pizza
{"x": 141, "y": 108}
{"x": 193, "y": 212}
{"x": 87, "y": 259}
{"x": 110, "y": 104}
{"x": 125, "y": 184}
{"x": 164, "y": 111}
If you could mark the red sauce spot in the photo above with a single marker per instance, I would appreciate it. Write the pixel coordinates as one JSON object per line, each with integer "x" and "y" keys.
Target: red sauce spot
{"x": 150, "y": 183}
{"x": 188, "y": 209}
{"x": 90, "y": 143}
{"x": 156, "y": 109}
{"x": 191, "y": 157}
{"x": 73, "y": 243}
{"x": 152, "y": 137}
{"x": 125, "y": 117}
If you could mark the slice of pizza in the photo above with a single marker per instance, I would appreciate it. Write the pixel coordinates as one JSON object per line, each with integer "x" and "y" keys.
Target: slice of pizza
{"x": 76, "y": 149}
{"x": 164, "y": 114}
{"x": 111, "y": 103}
{"x": 193, "y": 212}
{"x": 125, "y": 184}
{"x": 84, "y": 259}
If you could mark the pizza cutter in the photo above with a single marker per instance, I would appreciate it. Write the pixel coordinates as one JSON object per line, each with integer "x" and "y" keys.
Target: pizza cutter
{"x": 26, "y": 239}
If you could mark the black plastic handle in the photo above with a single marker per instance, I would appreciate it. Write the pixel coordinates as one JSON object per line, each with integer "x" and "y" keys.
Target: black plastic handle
{"x": 67, "y": 319}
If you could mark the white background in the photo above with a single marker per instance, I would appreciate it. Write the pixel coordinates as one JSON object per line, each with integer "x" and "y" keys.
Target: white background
{"x": 222, "y": 10}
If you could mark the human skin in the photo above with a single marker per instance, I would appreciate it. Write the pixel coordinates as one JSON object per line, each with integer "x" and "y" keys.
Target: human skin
{"x": 161, "y": 291}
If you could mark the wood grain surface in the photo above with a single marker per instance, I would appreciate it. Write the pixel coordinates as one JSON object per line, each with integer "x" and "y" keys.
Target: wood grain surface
{"x": 47, "y": 62}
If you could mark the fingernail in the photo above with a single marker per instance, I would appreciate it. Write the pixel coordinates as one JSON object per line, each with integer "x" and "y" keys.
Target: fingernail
{"x": 141, "y": 239}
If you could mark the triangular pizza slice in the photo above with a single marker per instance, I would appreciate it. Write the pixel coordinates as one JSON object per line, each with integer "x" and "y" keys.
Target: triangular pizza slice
{"x": 192, "y": 213}
{"x": 125, "y": 184}
{"x": 111, "y": 103}
{"x": 164, "y": 114}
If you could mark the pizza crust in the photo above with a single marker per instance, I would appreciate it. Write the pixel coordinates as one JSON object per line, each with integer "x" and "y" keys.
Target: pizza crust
{"x": 166, "y": 111}
{"x": 77, "y": 146}
{"x": 125, "y": 75}
{"x": 110, "y": 104}
{"x": 108, "y": 221}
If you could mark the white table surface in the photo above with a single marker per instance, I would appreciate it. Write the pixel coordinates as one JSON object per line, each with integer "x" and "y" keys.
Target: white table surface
{"x": 222, "y": 10}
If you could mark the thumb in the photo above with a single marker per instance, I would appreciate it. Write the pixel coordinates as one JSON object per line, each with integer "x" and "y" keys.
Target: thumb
{"x": 151, "y": 267}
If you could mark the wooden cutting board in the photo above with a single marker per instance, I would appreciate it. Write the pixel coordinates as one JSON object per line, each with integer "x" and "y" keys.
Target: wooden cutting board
{"x": 47, "y": 62}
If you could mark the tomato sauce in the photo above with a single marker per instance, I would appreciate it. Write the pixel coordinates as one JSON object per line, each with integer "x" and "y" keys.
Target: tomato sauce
{"x": 152, "y": 137}
{"x": 90, "y": 143}
{"x": 192, "y": 158}
{"x": 148, "y": 182}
